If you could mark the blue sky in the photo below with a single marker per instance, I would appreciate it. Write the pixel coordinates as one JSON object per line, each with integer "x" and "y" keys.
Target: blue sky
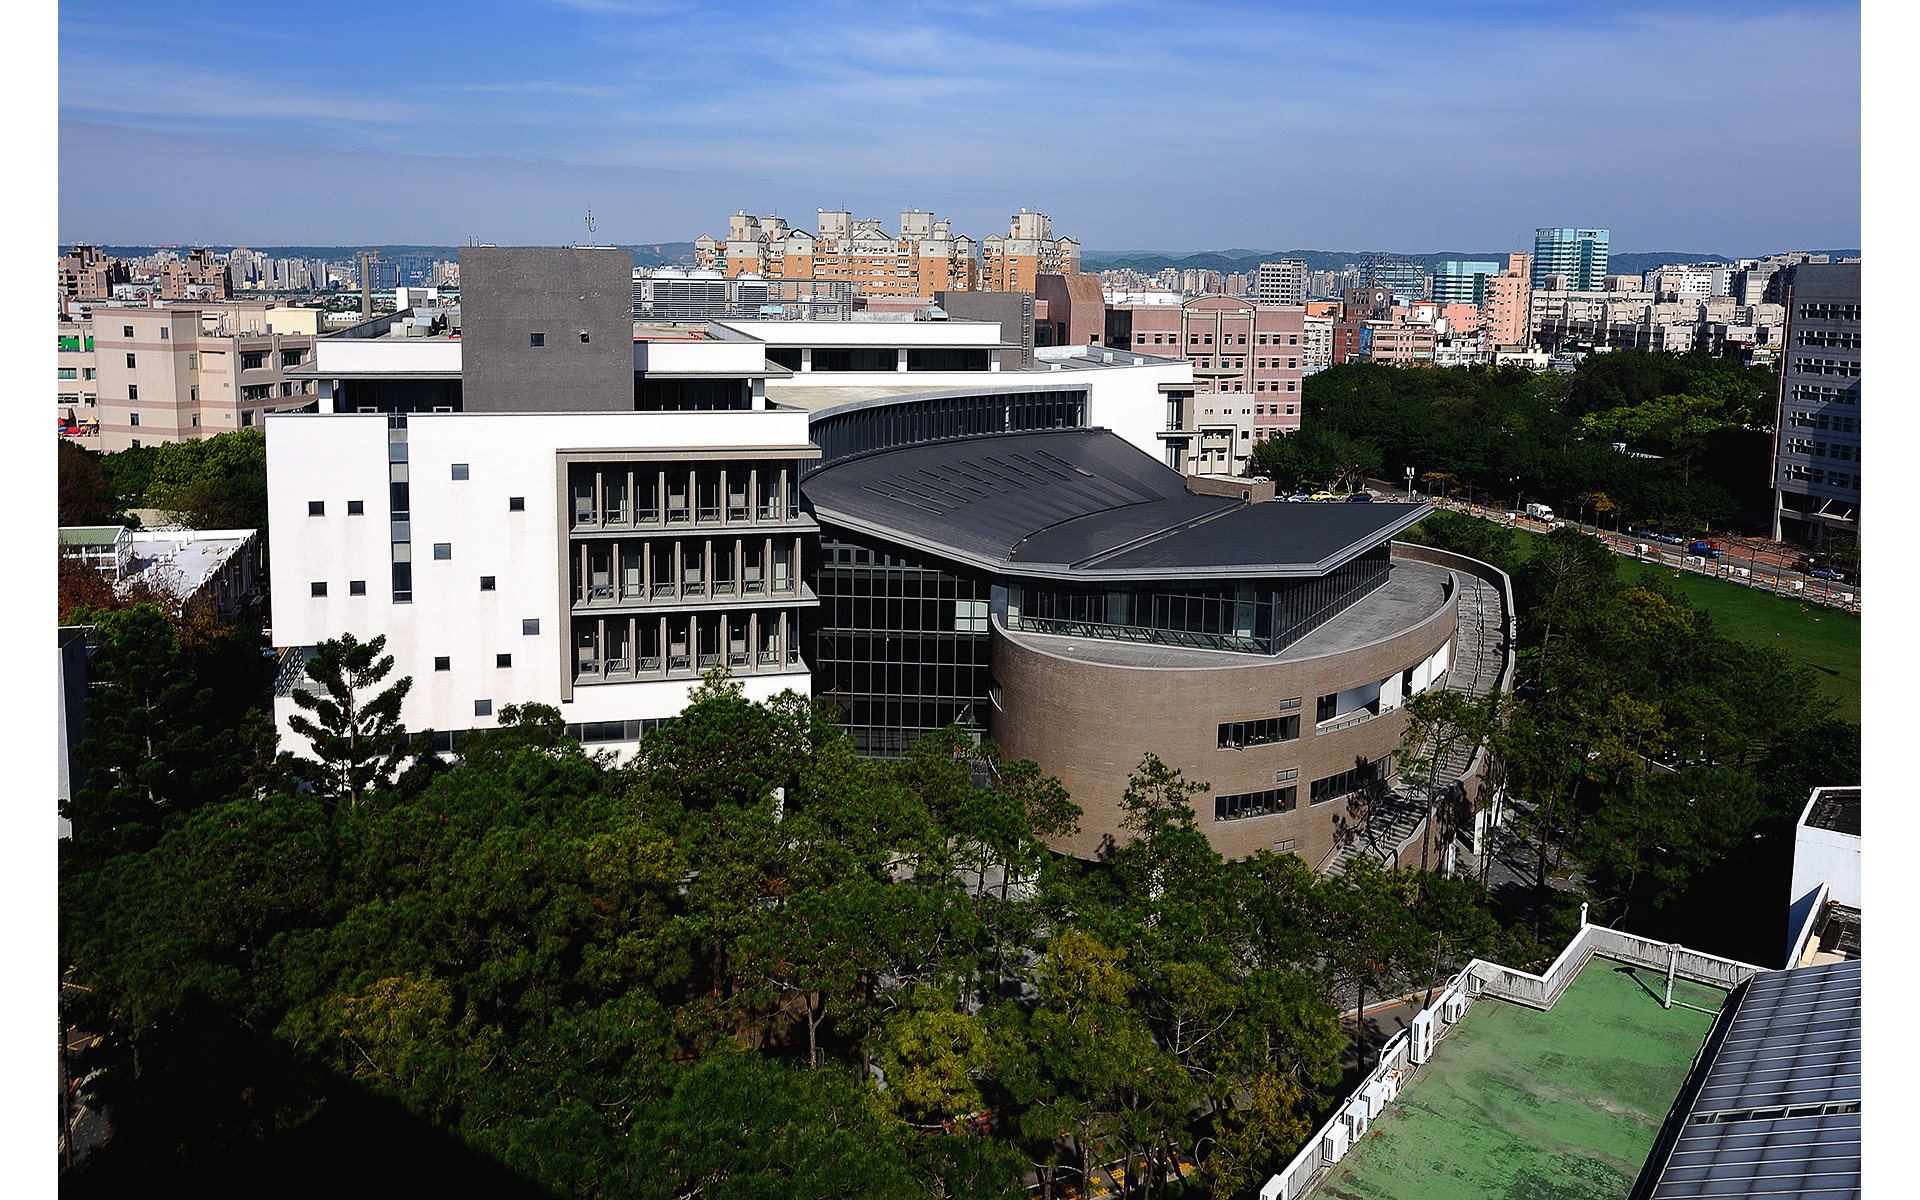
{"x": 1725, "y": 128}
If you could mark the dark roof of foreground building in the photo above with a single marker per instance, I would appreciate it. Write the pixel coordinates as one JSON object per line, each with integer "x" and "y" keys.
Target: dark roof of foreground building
{"x": 1773, "y": 1105}
{"x": 1085, "y": 504}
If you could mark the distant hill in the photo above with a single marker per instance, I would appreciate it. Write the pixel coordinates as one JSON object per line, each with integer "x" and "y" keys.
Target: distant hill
{"x": 652, "y": 254}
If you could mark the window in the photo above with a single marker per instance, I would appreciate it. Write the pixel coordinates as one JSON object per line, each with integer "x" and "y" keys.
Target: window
{"x": 1255, "y": 804}
{"x": 516, "y": 504}
{"x": 246, "y": 418}
{"x": 583, "y": 335}
{"x": 133, "y": 391}
{"x": 1325, "y": 707}
{"x": 460, "y": 470}
{"x": 252, "y": 360}
{"x": 136, "y": 443}
{"x": 530, "y": 626}
{"x": 536, "y": 339}
{"x": 129, "y": 362}
{"x": 126, "y": 331}
{"x": 1238, "y": 735}
{"x": 356, "y": 587}
{"x": 196, "y": 420}
{"x": 486, "y": 583}
{"x": 316, "y": 508}
{"x": 193, "y": 362}
{"x": 442, "y": 662}
{"x": 503, "y": 660}
{"x": 134, "y": 418}
{"x": 89, "y": 373}
{"x": 163, "y": 333}
{"x": 356, "y": 508}
{"x": 318, "y": 588}
{"x": 69, "y": 373}
{"x": 1243, "y": 339}
{"x": 290, "y": 358}
{"x": 483, "y": 708}
{"x": 443, "y": 550}
{"x": 193, "y": 393}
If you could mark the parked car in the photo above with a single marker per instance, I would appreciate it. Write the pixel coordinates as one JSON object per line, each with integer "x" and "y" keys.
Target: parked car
{"x": 1300, "y": 497}
{"x": 1828, "y": 573}
{"x": 1360, "y": 498}
{"x": 1324, "y": 496}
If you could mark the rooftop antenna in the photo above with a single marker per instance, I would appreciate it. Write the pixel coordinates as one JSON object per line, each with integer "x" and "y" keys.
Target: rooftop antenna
{"x": 589, "y": 229}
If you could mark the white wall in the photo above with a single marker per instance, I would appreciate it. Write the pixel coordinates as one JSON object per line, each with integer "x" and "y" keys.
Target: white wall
{"x": 1823, "y": 856}
{"x": 337, "y": 458}
{"x": 354, "y": 356}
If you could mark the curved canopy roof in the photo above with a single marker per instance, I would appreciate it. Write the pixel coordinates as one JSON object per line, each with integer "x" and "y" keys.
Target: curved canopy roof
{"x": 1085, "y": 504}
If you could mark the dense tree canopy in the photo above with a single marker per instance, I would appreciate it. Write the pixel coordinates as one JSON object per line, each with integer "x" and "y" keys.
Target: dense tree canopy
{"x": 1507, "y": 434}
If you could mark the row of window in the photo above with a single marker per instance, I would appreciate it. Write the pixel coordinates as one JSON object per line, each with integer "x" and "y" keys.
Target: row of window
{"x": 1840, "y": 450}
{"x": 1206, "y": 339}
{"x": 358, "y": 508}
{"x": 1814, "y": 393}
{"x": 1823, "y": 311}
{"x": 1846, "y": 340}
{"x": 80, "y": 373}
{"x": 1801, "y": 473}
{"x": 1826, "y": 366}
{"x": 1265, "y": 731}
{"x": 1821, "y": 420}
{"x": 444, "y": 662}
{"x": 537, "y": 340}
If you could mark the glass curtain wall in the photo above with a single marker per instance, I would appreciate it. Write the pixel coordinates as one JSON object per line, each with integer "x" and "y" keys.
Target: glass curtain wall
{"x": 900, "y": 647}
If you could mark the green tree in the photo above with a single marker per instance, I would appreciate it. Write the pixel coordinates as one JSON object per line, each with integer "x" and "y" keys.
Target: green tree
{"x": 358, "y": 740}
{"x": 86, "y": 490}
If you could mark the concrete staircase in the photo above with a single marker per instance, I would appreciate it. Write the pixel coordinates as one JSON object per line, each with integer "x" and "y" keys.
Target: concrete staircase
{"x": 1393, "y": 820}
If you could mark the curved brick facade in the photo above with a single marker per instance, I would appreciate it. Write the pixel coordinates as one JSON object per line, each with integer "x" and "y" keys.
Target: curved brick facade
{"x": 1088, "y": 710}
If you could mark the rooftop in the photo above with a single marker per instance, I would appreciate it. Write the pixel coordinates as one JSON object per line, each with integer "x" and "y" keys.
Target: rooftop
{"x": 1774, "y": 1107}
{"x": 1835, "y": 809}
{"x": 1528, "y": 1105}
{"x": 1412, "y": 592}
{"x": 1085, "y": 504}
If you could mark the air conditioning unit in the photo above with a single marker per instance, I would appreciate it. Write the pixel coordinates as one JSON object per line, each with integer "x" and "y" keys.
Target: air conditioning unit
{"x": 1453, "y": 1006}
{"x": 1423, "y": 1035}
{"x": 1333, "y": 1147}
{"x": 1357, "y": 1119}
{"x": 1276, "y": 1189}
{"x": 1375, "y": 1097}
{"x": 1391, "y": 1081}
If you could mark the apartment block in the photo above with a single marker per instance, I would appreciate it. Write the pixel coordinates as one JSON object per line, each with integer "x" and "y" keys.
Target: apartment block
{"x": 1458, "y": 282}
{"x": 1816, "y": 467}
{"x": 87, "y": 274}
{"x": 1509, "y": 306}
{"x": 1281, "y": 282}
{"x": 1011, "y": 263}
{"x": 187, "y": 371}
{"x": 925, "y": 257}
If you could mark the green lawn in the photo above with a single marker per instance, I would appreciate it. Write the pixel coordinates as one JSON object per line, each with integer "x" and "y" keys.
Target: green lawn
{"x": 1825, "y": 639}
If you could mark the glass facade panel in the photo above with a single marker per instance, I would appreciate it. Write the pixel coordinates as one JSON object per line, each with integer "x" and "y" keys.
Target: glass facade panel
{"x": 899, "y": 648}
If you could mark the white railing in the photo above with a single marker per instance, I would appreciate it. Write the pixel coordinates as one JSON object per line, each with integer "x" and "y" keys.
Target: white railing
{"x": 1479, "y": 979}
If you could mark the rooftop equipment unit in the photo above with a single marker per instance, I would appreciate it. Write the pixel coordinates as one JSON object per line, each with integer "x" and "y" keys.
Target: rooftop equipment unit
{"x": 1333, "y": 1147}
{"x": 1357, "y": 1119}
{"x": 1425, "y": 1034}
{"x": 1453, "y": 1006}
{"x": 1375, "y": 1097}
{"x": 1275, "y": 1189}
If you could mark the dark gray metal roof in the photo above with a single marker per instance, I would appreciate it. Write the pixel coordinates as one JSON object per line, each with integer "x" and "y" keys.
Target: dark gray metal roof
{"x": 1085, "y": 504}
{"x": 1777, "y": 1110}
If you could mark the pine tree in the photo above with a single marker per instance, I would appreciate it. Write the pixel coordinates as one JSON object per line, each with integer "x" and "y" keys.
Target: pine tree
{"x": 358, "y": 740}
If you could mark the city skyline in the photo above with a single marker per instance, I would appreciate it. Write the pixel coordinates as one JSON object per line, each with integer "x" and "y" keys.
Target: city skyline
{"x": 663, "y": 119}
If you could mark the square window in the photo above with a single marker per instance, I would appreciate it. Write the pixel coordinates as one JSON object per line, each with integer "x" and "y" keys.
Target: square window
{"x": 460, "y": 470}
{"x": 126, "y": 331}
{"x": 503, "y": 660}
{"x": 356, "y": 508}
{"x": 442, "y": 663}
{"x": 316, "y": 508}
{"x": 483, "y": 708}
{"x": 516, "y": 504}
{"x": 530, "y": 626}
{"x": 319, "y": 588}
{"x": 443, "y": 550}
{"x": 134, "y": 418}
{"x": 536, "y": 339}
{"x": 486, "y": 583}
{"x": 356, "y": 587}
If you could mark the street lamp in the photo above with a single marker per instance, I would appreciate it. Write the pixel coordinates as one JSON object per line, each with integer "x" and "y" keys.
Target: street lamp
{"x": 1409, "y": 485}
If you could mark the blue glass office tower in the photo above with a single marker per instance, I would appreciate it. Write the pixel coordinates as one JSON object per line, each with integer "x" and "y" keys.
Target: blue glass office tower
{"x": 1578, "y": 254}
{"x": 1462, "y": 282}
